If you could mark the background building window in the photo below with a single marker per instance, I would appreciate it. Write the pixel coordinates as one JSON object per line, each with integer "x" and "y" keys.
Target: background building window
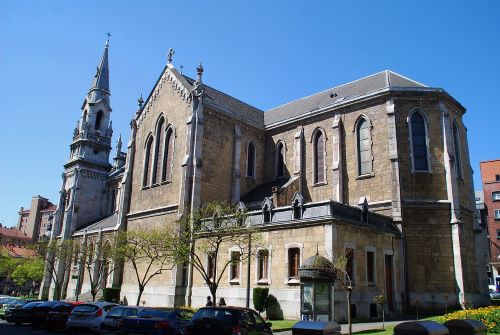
{"x": 497, "y": 214}
{"x": 456, "y": 145}
{"x": 251, "y": 160}
{"x": 495, "y": 196}
{"x": 262, "y": 269}
{"x": 280, "y": 160}
{"x": 293, "y": 263}
{"x": 266, "y": 212}
{"x": 419, "y": 142}
{"x": 319, "y": 157}
{"x": 235, "y": 266}
{"x": 98, "y": 120}
{"x": 498, "y": 234}
{"x": 370, "y": 266}
{"x": 364, "y": 145}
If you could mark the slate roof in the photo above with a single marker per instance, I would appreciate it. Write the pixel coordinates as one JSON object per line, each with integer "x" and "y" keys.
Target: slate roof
{"x": 372, "y": 83}
{"x": 109, "y": 222}
{"x": 101, "y": 78}
{"x": 231, "y": 105}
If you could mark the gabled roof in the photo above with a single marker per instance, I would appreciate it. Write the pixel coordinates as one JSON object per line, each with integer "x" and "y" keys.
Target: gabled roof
{"x": 13, "y": 232}
{"x": 372, "y": 83}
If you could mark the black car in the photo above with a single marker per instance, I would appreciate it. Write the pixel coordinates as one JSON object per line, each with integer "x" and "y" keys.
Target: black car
{"x": 23, "y": 314}
{"x": 39, "y": 313}
{"x": 157, "y": 321}
{"x": 227, "y": 321}
{"x": 112, "y": 320}
{"x": 58, "y": 316}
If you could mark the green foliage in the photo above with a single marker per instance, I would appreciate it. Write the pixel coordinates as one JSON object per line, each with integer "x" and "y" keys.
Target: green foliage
{"x": 30, "y": 270}
{"x": 260, "y": 298}
{"x": 8, "y": 264}
{"x": 111, "y": 294}
{"x": 273, "y": 308}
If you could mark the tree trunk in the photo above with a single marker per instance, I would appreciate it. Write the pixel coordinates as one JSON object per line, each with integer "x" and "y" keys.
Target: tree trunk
{"x": 349, "y": 316}
{"x": 141, "y": 289}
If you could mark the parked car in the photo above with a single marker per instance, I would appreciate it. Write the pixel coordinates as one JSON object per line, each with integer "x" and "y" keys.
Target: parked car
{"x": 5, "y": 303}
{"x": 227, "y": 321}
{"x": 38, "y": 313}
{"x": 23, "y": 314}
{"x": 157, "y": 321}
{"x": 58, "y": 316}
{"x": 6, "y": 309}
{"x": 88, "y": 317}
{"x": 112, "y": 320}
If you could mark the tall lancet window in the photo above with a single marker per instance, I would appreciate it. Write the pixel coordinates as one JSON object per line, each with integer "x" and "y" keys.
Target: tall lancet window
{"x": 364, "y": 146}
{"x": 280, "y": 160}
{"x": 159, "y": 148}
{"x": 418, "y": 131}
{"x": 98, "y": 120}
{"x": 168, "y": 155}
{"x": 319, "y": 156}
{"x": 148, "y": 159}
{"x": 456, "y": 146}
{"x": 251, "y": 159}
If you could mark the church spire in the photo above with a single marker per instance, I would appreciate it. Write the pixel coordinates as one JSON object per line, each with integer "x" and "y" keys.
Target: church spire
{"x": 101, "y": 78}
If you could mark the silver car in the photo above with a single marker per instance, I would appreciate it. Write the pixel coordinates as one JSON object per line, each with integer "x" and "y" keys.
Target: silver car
{"x": 88, "y": 317}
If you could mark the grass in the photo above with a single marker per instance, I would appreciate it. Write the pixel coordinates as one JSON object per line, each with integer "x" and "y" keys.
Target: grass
{"x": 282, "y": 324}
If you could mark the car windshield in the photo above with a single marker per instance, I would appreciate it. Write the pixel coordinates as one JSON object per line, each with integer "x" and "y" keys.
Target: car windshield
{"x": 119, "y": 312}
{"x": 156, "y": 313}
{"x": 64, "y": 307}
{"x": 9, "y": 301}
{"x": 48, "y": 303}
{"x": 32, "y": 304}
{"x": 85, "y": 308}
{"x": 224, "y": 315}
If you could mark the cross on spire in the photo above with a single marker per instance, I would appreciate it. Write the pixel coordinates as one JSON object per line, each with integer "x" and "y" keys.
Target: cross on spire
{"x": 171, "y": 53}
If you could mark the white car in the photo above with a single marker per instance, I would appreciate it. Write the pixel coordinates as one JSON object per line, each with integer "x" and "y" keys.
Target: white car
{"x": 88, "y": 316}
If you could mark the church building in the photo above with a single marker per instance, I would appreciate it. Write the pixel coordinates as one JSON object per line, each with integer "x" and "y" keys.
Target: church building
{"x": 378, "y": 166}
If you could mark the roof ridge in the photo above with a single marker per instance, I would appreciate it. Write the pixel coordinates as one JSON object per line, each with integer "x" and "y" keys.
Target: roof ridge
{"x": 232, "y": 97}
{"x": 328, "y": 89}
{"x": 407, "y": 78}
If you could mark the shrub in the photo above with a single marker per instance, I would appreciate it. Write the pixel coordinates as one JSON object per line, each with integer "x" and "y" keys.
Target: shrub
{"x": 259, "y": 298}
{"x": 111, "y": 294}
{"x": 490, "y": 316}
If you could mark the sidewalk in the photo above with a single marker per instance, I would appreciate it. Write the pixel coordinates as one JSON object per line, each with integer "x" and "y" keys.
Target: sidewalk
{"x": 356, "y": 327}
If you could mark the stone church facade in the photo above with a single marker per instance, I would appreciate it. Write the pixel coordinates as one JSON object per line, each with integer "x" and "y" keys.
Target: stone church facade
{"x": 379, "y": 166}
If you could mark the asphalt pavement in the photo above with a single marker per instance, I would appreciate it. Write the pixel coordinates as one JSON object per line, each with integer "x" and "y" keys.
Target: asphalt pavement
{"x": 7, "y": 328}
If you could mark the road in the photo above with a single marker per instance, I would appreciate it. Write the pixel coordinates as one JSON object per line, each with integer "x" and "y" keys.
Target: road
{"x": 11, "y": 329}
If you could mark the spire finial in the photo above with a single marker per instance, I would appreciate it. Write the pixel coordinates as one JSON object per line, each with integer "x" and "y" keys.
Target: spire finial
{"x": 199, "y": 71}
{"x": 140, "y": 102}
{"x": 108, "y": 35}
{"x": 119, "y": 145}
{"x": 170, "y": 54}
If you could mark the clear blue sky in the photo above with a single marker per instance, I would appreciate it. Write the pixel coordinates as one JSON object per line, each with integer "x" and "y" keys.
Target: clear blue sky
{"x": 263, "y": 52}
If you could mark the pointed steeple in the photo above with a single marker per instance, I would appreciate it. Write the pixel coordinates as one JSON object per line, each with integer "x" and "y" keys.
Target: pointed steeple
{"x": 101, "y": 78}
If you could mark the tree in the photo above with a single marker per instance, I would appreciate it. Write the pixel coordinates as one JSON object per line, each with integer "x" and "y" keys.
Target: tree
{"x": 342, "y": 260}
{"x": 8, "y": 265}
{"x": 30, "y": 270}
{"x": 57, "y": 262}
{"x": 99, "y": 263}
{"x": 214, "y": 226}
{"x": 148, "y": 252}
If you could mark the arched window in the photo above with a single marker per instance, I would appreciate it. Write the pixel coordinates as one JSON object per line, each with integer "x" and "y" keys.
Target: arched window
{"x": 280, "y": 160}
{"x": 418, "y": 139}
{"x": 319, "y": 157}
{"x": 456, "y": 146}
{"x": 251, "y": 160}
{"x": 168, "y": 156}
{"x": 98, "y": 120}
{"x": 266, "y": 213}
{"x": 159, "y": 146}
{"x": 148, "y": 159}
{"x": 364, "y": 146}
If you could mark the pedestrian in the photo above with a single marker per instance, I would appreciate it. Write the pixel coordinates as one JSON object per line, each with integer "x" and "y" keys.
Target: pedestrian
{"x": 209, "y": 302}
{"x": 222, "y": 302}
